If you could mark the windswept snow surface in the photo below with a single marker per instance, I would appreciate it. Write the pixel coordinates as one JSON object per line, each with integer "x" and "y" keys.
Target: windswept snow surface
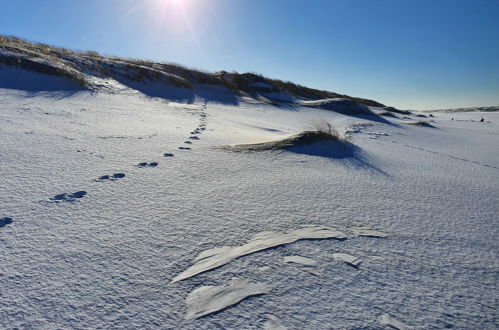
{"x": 349, "y": 259}
{"x": 274, "y": 323}
{"x": 107, "y": 259}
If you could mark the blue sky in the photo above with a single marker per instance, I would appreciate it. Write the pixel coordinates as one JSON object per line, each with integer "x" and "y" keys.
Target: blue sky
{"x": 409, "y": 54}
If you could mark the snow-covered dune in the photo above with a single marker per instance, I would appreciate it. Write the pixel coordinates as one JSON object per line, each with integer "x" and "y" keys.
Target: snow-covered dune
{"x": 120, "y": 209}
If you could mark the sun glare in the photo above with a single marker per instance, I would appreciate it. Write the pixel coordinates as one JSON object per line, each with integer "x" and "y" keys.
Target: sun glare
{"x": 177, "y": 3}
{"x": 179, "y": 18}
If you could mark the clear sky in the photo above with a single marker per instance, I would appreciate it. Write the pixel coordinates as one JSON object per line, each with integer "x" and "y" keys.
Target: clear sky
{"x": 412, "y": 54}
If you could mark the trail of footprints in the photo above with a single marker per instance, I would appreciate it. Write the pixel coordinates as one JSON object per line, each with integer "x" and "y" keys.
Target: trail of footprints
{"x": 383, "y": 136}
{"x": 442, "y": 154}
{"x": 113, "y": 177}
{"x": 74, "y": 196}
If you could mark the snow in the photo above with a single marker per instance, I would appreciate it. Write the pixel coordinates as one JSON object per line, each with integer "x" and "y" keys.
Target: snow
{"x": 349, "y": 259}
{"x": 338, "y": 104}
{"x": 386, "y": 319}
{"x": 210, "y": 299}
{"x": 300, "y": 260}
{"x": 274, "y": 323}
{"x": 279, "y": 96}
{"x": 17, "y": 78}
{"x": 418, "y": 204}
{"x": 366, "y": 231}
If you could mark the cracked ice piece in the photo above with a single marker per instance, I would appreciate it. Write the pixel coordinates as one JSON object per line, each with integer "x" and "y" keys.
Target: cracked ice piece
{"x": 205, "y": 300}
{"x": 220, "y": 256}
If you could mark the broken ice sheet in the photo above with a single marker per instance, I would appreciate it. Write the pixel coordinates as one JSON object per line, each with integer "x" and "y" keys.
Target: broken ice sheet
{"x": 220, "y": 256}
{"x": 300, "y": 260}
{"x": 349, "y": 259}
{"x": 209, "y": 299}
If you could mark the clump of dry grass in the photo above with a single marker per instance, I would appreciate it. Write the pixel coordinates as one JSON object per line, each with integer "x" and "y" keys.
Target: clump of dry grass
{"x": 325, "y": 129}
{"x": 320, "y": 131}
{"x": 388, "y": 114}
{"x": 420, "y": 123}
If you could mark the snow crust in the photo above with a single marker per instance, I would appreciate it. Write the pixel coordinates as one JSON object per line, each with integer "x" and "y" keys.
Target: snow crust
{"x": 220, "y": 256}
{"x": 209, "y": 299}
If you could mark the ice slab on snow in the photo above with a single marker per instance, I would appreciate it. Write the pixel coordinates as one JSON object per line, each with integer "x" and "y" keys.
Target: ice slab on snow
{"x": 274, "y": 323}
{"x": 300, "y": 260}
{"x": 349, "y": 259}
{"x": 220, "y": 256}
{"x": 209, "y": 299}
{"x": 386, "y": 319}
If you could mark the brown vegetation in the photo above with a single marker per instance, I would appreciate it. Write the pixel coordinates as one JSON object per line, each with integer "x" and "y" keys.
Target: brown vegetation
{"x": 77, "y": 65}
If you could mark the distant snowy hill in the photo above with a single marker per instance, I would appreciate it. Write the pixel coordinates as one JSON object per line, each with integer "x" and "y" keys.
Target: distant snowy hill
{"x": 140, "y": 195}
{"x": 92, "y": 71}
{"x": 473, "y": 109}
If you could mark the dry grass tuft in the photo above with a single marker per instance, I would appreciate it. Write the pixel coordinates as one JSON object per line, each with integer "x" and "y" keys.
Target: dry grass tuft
{"x": 321, "y": 131}
{"x": 326, "y": 129}
{"x": 420, "y": 123}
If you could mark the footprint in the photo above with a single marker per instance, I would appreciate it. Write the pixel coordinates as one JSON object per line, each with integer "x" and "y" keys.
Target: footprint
{"x": 59, "y": 197}
{"x": 5, "y": 221}
{"x": 188, "y": 142}
{"x": 168, "y": 155}
{"x": 68, "y": 197}
{"x": 152, "y": 164}
{"x": 113, "y": 177}
{"x": 185, "y": 148}
{"x": 104, "y": 178}
{"x": 78, "y": 194}
{"x": 194, "y": 137}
